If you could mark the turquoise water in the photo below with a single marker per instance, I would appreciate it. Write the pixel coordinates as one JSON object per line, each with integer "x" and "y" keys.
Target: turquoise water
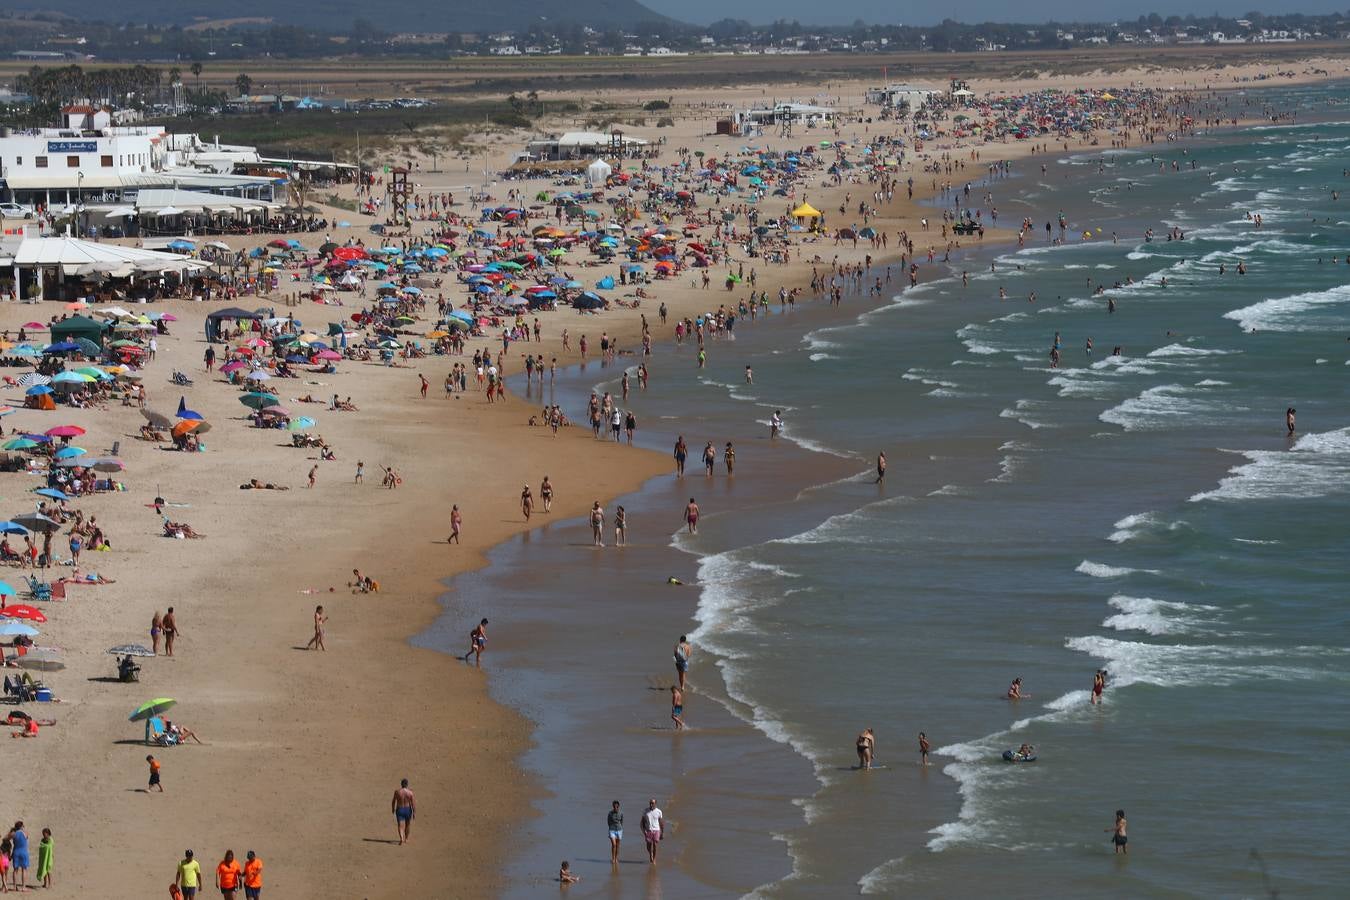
{"x": 1144, "y": 513}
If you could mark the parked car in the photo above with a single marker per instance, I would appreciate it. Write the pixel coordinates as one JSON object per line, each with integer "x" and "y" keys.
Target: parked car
{"x": 15, "y": 211}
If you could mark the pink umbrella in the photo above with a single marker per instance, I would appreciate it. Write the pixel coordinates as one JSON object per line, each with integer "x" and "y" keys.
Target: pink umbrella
{"x": 169, "y": 317}
{"x": 233, "y": 366}
{"x": 278, "y": 411}
{"x": 38, "y": 325}
{"x": 328, "y": 354}
{"x": 64, "y": 431}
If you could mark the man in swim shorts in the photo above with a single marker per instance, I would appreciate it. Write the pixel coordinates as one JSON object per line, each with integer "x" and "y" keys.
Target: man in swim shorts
{"x": 683, "y": 650}
{"x": 676, "y": 707}
{"x": 404, "y": 807}
{"x": 1118, "y": 836}
{"x": 653, "y": 828}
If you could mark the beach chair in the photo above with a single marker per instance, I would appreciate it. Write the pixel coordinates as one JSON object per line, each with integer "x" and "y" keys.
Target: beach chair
{"x": 21, "y": 690}
{"x": 158, "y": 735}
{"x": 38, "y": 590}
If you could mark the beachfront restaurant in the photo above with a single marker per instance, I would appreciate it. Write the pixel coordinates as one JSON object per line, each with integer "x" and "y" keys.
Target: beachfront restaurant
{"x": 61, "y": 268}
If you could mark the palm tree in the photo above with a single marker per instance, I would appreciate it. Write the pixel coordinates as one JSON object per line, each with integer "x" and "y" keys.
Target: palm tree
{"x": 244, "y": 84}
{"x": 196, "y": 68}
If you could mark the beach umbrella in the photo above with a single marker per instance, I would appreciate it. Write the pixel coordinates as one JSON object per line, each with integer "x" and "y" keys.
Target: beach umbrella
{"x": 23, "y": 611}
{"x": 156, "y": 420}
{"x": 187, "y": 426}
{"x": 6, "y": 590}
{"x": 15, "y": 628}
{"x": 87, "y": 347}
{"x": 37, "y": 522}
{"x": 276, "y": 411}
{"x": 18, "y": 444}
{"x": 184, "y": 412}
{"x": 70, "y": 452}
{"x": 38, "y": 390}
{"x": 64, "y": 431}
{"x": 53, "y": 493}
{"x": 62, "y": 347}
{"x": 34, "y": 378}
{"x": 8, "y": 527}
{"x": 257, "y": 375}
{"x": 258, "y": 400}
{"x": 233, "y": 366}
{"x": 151, "y": 709}
{"x": 71, "y": 378}
{"x": 328, "y": 354}
{"x": 130, "y": 650}
{"x": 42, "y": 658}
{"x": 107, "y": 463}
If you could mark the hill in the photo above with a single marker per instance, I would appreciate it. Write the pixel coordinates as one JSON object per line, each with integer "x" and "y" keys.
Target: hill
{"x": 339, "y": 15}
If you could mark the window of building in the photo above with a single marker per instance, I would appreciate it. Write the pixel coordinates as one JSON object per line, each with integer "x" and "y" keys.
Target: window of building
{"x": 18, "y": 160}
{"x": 40, "y": 162}
{"x": 105, "y": 162}
{"x": 72, "y": 162}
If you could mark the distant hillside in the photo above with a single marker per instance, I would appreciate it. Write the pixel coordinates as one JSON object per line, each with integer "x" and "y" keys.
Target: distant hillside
{"x": 339, "y": 15}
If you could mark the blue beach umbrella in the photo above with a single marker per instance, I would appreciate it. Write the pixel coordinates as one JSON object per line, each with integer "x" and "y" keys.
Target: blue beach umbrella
{"x": 53, "y": 493}
{"x": 37, "y": 390}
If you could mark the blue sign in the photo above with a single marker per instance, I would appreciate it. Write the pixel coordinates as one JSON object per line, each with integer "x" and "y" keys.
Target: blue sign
{"x": 72, "y": 146}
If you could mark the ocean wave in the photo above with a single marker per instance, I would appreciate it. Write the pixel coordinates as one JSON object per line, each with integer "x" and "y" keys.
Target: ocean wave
{"x": 1027, "y": 412}
{"x": 1164, "y": 406}
{"x": 1131, "y": 527}
{"x": 1101, "y": 570}
{"x": 1208, "y": 665}
{"x": 1184, "y": 350}
{"x": 817, "y": 357}
{"x": 1317, "y": 465}
{"x": 1292, "y": 313}
{"x": 1155, "y": 617}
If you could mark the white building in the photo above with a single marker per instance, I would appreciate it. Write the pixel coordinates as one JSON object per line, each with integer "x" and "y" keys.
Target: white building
{"x": 909, "y": 96}
{"x": 787, "y": 113}
{"x": 88, "y": 160}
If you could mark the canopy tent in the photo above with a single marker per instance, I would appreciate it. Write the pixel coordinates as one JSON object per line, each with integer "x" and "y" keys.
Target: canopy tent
{"x": 806, "y": 211}
{"x": 598, "y": 171}
{"x": 78, "y": 327}
{"x": 157, "y": 201}
{"x": 214, "y": 319}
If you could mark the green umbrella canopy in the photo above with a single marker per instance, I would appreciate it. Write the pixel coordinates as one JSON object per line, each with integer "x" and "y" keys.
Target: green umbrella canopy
{"x": 151, "y": 709}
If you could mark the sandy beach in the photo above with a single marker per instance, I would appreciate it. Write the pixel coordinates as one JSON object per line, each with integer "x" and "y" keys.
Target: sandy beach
{"x": 302, "y": 750}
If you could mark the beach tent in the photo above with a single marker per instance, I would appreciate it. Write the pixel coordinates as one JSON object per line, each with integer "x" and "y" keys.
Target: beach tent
{"x": 598, "y": 171}
{"x": 806, "y": 211}
{"x": 232, "y": 313}
{"x": 78, "y": 327}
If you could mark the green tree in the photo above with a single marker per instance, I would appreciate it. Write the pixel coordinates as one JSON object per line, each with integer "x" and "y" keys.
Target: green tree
{"x": 196, "y": 69}
{"x": 244, "y": 84}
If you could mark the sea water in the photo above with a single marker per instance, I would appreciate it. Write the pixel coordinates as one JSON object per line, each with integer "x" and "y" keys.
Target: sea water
{"x": 1143, "y": 513}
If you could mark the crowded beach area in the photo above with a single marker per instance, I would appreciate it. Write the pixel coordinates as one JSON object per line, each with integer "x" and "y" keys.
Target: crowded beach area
{"x": 245, "y": 444}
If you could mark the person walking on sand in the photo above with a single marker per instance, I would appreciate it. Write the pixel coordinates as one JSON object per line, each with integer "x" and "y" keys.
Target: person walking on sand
{"x": 546, "y": 494}
{"x": 189, "y": 875}
{"x": 253, "y": 867}
{"x": 1118, "y": 833}
{"x": 425, "y": 384}
{"x": 154, "y": 774}
{"x": 477, "y": 642}
{"x": 156, "y": 629}
{"x": 866, "y": 745}
{"x": 881, "y": 467}
{"x": 360, "y": 472}
{"x": 526, "y": 502}
{"x": 709, "y": 458}
{"x": 615, "y": 822}
{"x": 691, "y": 516}
{"x": 228, "y": 874}
{"x": 924, "y": 748}
{"x": 313, "y": 475}
{"x": 456, "y": 524}
{"x": 681, "y": 453}
{"x": 683, "y": 650}
{"x": 677, "y": 707}
{"x": 317, "y": 640}
{"x": 170, "y": 623}
{"x": 404, "y": 807}
{"x": 597, "y": 525}
{"x": 653, "y": 828}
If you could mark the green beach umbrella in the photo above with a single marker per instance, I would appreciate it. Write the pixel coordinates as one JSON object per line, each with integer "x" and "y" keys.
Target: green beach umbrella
{"x": 151, "y": 709}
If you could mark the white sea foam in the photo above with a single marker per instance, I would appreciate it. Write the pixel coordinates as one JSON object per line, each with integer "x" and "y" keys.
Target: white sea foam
{"x": 980, "y": 349}
{"x": 1295, "y": 312}
{"x": 1155, "y": 617}
{"x": 1101, "y": 570}
{"x": 1210, "y": 665}
{"x": 1183, "y": 350}
{"x": 1028, "y": 412}
{"x": 1164, "y": 406}
{"x": 817, "y": 357}
{"x": 1316, "y": 466}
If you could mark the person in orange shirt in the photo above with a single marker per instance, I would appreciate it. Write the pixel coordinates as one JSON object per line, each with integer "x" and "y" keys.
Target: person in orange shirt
{"x": 228, "y": 874}
{"x": 253, "y": 877}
